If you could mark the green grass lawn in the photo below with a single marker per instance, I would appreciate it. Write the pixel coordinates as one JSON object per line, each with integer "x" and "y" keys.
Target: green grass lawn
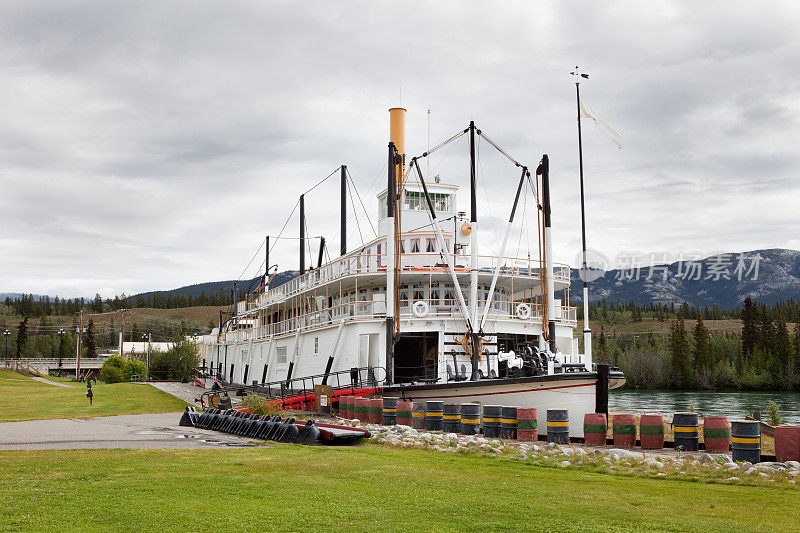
{"x": 22, "y": 398}
{"x": 289, "y": 488}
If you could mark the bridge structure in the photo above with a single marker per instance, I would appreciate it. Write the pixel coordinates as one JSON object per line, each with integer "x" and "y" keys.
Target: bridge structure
{"x": 44, "y": 365}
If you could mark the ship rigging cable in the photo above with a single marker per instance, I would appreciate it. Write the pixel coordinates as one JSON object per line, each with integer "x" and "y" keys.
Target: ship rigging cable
{"x": 366, "y": 213}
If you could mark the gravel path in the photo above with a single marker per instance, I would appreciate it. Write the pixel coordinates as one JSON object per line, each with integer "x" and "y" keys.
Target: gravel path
{"x": 48, "y": 382}
{"x": 124, "y": 431}
{"x": 185, "y": 391}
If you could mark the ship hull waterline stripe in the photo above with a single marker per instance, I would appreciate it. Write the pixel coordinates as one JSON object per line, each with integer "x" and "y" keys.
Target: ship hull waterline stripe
{"x": 510, "y": 391}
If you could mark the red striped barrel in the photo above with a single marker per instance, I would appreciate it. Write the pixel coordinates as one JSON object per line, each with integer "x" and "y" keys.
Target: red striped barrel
{"x": 651, "y": 432}
{"x": 787, "y": 443}
{"x": 404, "y": 416}
{"x": 360, "y": 411}
{"x": 527, "y": 424}
{"x": 717, "y": 434}
{"x": 624, "y": 431}
{"x": 595, "y": 427}
{"x": 376, "y": 410}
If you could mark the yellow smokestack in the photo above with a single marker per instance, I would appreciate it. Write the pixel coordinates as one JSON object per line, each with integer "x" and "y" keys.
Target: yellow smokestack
{"x": 397, "y": 135}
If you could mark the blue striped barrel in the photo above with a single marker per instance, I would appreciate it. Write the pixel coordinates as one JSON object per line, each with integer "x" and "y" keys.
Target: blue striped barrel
{"x": 746, "y": 440}
{"x": 558, "y": 426}
{"x": 687, "y": 434}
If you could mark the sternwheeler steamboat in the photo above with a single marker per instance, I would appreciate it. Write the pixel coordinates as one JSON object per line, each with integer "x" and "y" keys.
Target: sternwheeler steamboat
{"x": 419, "y": 312}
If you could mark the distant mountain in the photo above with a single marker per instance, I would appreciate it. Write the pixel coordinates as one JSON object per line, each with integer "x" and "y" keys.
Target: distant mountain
{"x": 12, "y": 295}
{"x": 768, "y": 276}
{"x": 211, "y": 287}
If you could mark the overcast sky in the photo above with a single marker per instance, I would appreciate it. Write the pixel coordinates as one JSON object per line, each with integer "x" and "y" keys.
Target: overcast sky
{"x": 149, "y": 145}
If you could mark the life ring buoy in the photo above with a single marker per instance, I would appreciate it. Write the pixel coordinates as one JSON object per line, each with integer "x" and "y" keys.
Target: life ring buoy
{"x": 420, "y": 309}
{"x": 466, "y": 228}
{"x": 523, "y": 311}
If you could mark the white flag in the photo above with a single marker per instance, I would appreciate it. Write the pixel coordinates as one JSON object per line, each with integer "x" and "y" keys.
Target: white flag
{"x": 608, "y": 131}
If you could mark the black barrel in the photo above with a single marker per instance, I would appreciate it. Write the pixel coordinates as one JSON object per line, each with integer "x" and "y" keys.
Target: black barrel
{"x": 746, "y": 440}
{"x": 470, "y": 418}
{"x": 492, "y": 415}
{"x": 418, "y": 415}
{"x": 686, "y": 431}
{"x": 452, "y": 417}
{"x": 434, "y": 411}
{"x": 508, "y": 423}
{"x": 389, "y": 411}
{"x": 558, "y": 426}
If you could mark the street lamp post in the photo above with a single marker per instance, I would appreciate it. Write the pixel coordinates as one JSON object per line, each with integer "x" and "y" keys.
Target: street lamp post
{"x": 79, "y": 331}
{"x": 147, "y": 337}
{"x": 6, "y": 333}
{"x": 61, "y": 334}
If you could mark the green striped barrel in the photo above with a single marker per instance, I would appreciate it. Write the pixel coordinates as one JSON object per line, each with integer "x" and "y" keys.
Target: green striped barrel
{"x": 418, "y": 415}
{"x": 685, "y": 426}
{"x": 595, "y": 428}
{"x": 624, "y": 430}
{"x": 434, "y": 411}
{"x": 527, "y": 424}
{"x": 558, "y": 426}
{"x": 389, "y": 411}
{"x": 346, "y": 407}
{"x": 651, "y": 432}
{"x": 376, "y": 410}
{"x": 508, "y": 423}
{"x": 360, "y": 411}
{"x": 746, "y": 440}
{"x": 470, "y": 420}
{"x": 404, "y": 417}
{"x": 716, "y": 434}
{"x": 451, "y": 417}
{"x": 492, "y": 416}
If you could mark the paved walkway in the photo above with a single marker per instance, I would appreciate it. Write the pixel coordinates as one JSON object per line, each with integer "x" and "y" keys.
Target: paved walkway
{"x": 124, "y": 431}
{"x": 185, "y": 391}
{"x": 47, "y": 381}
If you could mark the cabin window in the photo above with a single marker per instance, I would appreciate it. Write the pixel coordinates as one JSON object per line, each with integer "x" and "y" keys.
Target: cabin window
{"x": 435, "y": 296}
{"x": 380, "y": 258}
{"x": 430, "y": 245}
{"x": 414, "y": 246}
{"x": 419, "y": 294}
{"x": 402, "y": 246}
{"x": 281, "y": 353}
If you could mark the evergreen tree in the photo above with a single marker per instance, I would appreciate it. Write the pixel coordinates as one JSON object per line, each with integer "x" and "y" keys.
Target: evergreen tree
{"x": 783, "y": 343}
{"x": 767, "y": 333}
{"x": 702, "y": 345}
{"x": 22, "y": 335}
{"x": 679, "y": 349}
{"x": 89, "y": 341}
{"x": 797, "y": 344}
{"x": 602, "y": 349}
{"x": 750, "y": 336}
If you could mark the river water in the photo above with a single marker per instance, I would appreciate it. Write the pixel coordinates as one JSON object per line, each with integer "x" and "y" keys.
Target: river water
{"x": 734, "y": 405}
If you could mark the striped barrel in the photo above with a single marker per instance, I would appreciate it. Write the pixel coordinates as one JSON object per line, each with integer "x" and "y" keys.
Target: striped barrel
{"x": 651, "y": 432}
{"x": 404, "y": 417}
{"x": 376, "y": 410}
{"x": 717, "y": 434}
{"x": 527, "y": 424}
{"x": 360, "y": 409}
{"x": 746, "y": 440}
{"x": 624, "y": 430}
{"x": 687, "y": 435}
{"x": 787, "y": 443}
{"x": 451, "y": 418}
{"x": 389, "y": 411}
{"x": 492, "y": 416}
{"x": 595, "y": 427}
{"x": 558, "y": 426}
{"x": 470, "y": 418}
{"x": 434, "y": 411}
{"x": 418, "y": 415}
{"x": 346, "y": 407}
{"x": 508, "y": 423}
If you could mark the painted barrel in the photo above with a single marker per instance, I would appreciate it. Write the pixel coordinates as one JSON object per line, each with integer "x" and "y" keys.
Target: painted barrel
{"x": 716, "y": 434}
{"x": 558, "y": 426}
{"x": 470, "y": 418}
{"x": 527, "y": 424}
{"x": 360, "y": 409}
{"x": 508, "y": 423}
{"x": 687, "y": 435}
{"x": 376, "y": 410}
{"x": 492, "y": 415}
{"x": 390, "y": 411}
{"x": 595, "y": 427}
{"x": 651, "y": 432}
{"x": 346, "y": 407}
{"x": 624, "y": 430}
{"x": 404, "y": 409}
{"x": 418, "y": 415}
{"x": 434, "y": 410}
{"x": 787, "y": 443}
{"x": 746, "y": 440}
{"x": 451, "y": 417}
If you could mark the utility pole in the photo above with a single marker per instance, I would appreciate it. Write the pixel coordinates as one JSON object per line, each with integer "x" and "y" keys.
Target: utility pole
{"x": 122, "y": 332}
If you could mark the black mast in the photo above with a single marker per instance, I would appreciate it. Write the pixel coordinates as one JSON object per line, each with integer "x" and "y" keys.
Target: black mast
{"x": 302, "y": 234}
{"x": 321, "y": 249}
{"x": 343, "y": 213}
{"x": 544, "y": 171}
{"x": 390, "y": 324}
{"x": 584, "y": 267}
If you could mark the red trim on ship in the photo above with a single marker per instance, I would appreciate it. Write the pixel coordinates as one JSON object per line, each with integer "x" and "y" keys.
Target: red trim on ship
{"x": 504, "y": 392}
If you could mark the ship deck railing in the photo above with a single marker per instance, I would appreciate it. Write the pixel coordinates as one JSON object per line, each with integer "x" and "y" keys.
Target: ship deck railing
{"x": 360, "y": 310}
{"x": 413, "y": 262}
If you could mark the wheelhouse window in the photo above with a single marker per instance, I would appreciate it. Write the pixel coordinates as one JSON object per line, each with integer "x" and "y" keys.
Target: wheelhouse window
{"x": 414, "y": 246}
{"x": 430, "y": 244}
